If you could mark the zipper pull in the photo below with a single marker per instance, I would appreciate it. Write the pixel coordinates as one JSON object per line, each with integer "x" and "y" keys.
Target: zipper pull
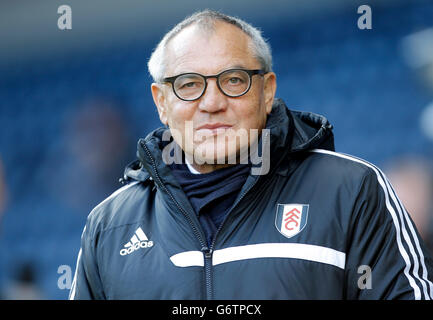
{"x": 207, "y": 252}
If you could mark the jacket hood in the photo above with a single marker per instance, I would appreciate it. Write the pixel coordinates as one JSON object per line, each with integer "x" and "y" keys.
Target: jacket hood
{"x": 298, "y": 131}
{"x": 292, "y": 132}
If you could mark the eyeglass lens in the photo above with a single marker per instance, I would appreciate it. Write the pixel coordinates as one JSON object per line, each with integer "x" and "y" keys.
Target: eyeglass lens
{"x": 231, "y": 82}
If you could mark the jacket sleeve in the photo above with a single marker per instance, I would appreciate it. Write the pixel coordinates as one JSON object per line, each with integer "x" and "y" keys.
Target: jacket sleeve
{"x": 87, "y": 284}
{"x": 385, "y": 256}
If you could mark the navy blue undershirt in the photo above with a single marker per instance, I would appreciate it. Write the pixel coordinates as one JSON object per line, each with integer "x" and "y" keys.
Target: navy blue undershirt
{"x": 211, "y": 194}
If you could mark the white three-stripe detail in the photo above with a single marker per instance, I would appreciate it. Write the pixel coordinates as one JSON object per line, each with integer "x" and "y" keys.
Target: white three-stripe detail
{"x": 74, "y": 281}
{"x": 384, "y": 183}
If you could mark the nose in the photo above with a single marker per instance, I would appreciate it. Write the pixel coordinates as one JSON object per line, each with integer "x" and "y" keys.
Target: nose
{"x": 213, "y": 100}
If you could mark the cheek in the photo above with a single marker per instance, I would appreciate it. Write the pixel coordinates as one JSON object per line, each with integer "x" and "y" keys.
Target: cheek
{"x": 251, "y": 116}
{"x": 180, "y": 117}
{"x": 179, "y": 113}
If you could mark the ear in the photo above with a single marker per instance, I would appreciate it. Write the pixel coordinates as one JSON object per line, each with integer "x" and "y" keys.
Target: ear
{"x": 269, "y": 87}
{"x": 159, "y": 99}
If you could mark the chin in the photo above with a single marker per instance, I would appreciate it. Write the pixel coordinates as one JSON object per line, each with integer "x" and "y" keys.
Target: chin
{"x": 215, "y": 153}
{"x": 212, "y": 153}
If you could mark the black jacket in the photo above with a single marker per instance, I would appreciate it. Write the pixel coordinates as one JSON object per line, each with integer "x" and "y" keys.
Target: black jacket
{"x": 319, "y": 225}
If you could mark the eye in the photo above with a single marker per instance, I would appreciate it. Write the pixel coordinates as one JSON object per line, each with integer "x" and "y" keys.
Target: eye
{"x": 189, "y": 84}
{"x": 235, "y": 80}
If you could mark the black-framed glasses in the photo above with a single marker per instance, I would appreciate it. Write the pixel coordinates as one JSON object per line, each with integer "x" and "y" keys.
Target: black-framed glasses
{"x": 233, "y": 83}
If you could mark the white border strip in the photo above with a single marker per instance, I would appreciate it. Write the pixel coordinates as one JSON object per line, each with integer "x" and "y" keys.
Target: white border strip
{"x": 280, "y": 250}
{"x": 188, "y": 259}
{"x": 263, "y": 250}
{"x": 388, "y": 190}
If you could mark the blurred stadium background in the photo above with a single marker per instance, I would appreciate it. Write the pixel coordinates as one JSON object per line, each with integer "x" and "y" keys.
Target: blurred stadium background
{"x": 73, "y": 103}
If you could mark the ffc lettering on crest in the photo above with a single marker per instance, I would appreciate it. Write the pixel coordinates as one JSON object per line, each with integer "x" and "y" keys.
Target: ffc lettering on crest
{"x": 291, "y": 218}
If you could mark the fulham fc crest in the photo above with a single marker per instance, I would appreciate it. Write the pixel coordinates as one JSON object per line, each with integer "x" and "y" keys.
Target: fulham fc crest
{"x": 291, "y": 218}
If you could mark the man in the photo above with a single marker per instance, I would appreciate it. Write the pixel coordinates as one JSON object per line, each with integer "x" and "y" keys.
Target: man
{"x": 309, "y": 224}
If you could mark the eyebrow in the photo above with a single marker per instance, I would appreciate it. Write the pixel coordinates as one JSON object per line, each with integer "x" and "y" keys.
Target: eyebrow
{"x": 236, "y": 66}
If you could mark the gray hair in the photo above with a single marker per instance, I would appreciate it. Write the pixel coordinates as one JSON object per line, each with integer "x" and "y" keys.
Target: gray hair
{"x": 207, "y": 19}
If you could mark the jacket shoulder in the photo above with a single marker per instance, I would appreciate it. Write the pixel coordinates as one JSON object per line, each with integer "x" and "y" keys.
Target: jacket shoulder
{"x": 118, "y": 208}
{"x": 341, "y": 175}
{"x": 343, "y": 165}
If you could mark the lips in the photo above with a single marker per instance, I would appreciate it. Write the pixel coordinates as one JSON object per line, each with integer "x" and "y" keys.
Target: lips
{"x": 211, "y": 129}
{"x": 214, "y": 126}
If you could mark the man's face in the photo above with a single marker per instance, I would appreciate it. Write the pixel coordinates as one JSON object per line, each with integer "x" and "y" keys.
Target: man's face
{"x": 215, "y": 119}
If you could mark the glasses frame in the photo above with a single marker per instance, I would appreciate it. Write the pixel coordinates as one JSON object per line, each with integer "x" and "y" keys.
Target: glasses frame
{"x": 250, "y": 73}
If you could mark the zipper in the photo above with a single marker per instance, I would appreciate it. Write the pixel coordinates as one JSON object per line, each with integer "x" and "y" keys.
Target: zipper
{"x": 211, "y": 249}
{"x": 208, "y": 271}
{"x": 207, "y": 253}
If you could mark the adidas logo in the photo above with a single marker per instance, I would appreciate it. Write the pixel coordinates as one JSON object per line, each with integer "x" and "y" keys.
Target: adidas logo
{"x": 138, "y": 241}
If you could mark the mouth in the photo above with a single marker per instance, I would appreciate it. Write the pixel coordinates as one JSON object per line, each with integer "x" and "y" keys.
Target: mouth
{"x": 213, "y": 128}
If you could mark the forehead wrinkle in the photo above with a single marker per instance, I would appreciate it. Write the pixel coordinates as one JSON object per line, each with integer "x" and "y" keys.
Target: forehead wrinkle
{"x": 228, "y": 67}
{"x": 185, "y": 46}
